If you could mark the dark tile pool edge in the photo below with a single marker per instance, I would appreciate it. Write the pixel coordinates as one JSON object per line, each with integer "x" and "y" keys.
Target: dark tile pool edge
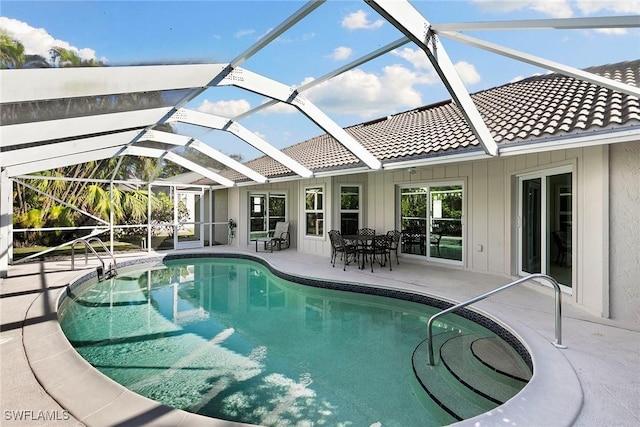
{"x": 474, "y": 316}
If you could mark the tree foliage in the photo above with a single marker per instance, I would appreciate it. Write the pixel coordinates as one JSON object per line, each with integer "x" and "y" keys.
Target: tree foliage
{"x": 123, "y": 204}
{"x": 13, "y": 56}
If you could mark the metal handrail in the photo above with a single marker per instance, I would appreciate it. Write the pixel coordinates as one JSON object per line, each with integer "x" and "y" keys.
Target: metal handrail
{"x": 87, "y": 246}
{"x": 97, "y": 239}
{"x": 558, "y": 309}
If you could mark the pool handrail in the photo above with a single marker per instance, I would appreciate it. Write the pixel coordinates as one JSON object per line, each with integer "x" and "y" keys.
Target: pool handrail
{"x": 87, "y": 246}
{"x": 558, "y": 309}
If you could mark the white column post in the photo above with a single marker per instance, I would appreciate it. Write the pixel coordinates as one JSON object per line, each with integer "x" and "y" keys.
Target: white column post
{"x": 149, "y": 195}
{"x": 111, "y": 216}
{"x": 6, "y": 223}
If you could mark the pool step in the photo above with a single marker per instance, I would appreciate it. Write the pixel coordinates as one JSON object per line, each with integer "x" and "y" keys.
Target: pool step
{"x": 485, "y": 377}
{"x": 501, "y": 357}
{"x": 465, "y": 380}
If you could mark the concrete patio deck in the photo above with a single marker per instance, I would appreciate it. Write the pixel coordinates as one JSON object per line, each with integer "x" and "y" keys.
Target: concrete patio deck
{"x": 594, "y": 382}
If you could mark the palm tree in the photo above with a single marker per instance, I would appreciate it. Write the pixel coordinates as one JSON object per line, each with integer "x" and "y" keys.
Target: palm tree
{"x": 69, "y": 58}
{"x": 12, "y": 54}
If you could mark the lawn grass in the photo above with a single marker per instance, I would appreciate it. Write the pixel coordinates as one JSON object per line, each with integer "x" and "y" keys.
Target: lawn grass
{"x": 19, "y": 253}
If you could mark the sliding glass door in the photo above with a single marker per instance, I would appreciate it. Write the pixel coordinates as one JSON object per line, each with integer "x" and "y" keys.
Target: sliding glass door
{"x": 265, "y": 210}
{"x": 431, "y": 221}
{"x": 546, "y": 224}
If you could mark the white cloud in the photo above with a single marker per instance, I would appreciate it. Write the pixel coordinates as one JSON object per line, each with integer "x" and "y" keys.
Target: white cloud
{"x": 341, "y": 53}
{"x": 467, "y": 72}
{"x": 589, "y": 7}
{"x": 367, "y": 94}
{"x": 359, "y": 21}
{"x": 612, "y": 31}
{"x": 225, "y": 108}
{"x": 553, "y": 8}
{"x": 418, "y": 58}
{"x": 37, "y": 41}
{"x": 243, "y": 33}
{"x": 261, "y": 135}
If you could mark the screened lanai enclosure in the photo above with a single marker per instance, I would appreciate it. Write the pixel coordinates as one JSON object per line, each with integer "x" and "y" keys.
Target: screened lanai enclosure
{"x": 117, "y": 151}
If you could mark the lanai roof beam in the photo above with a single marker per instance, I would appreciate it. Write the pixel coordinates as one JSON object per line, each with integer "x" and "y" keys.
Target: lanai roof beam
{"x": 221, "y": 123}
{"x": 262, "y": 85}
{"x": 589, "y": 23}
{"x": 353, "y": 64}
{"x": 179, "y": 160}
{"x": 180, "y": 140}
{"x": 276, "y": 32}
{"x": 413, "y": 25}
{"x": 544, "y": 63}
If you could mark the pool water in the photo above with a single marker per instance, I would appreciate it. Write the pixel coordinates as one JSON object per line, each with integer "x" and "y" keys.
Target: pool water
{"x": 228, "y": 339}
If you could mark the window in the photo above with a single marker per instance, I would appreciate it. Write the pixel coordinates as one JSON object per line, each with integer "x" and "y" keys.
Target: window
{"x": 314, "y": 211}
{"x": 349, "y": 209}
{"x": 265, "y": 210}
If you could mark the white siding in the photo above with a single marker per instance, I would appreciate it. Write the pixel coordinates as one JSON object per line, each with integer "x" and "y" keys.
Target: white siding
{"x": 624, "y": 282}
{"x": 490, "y": 213}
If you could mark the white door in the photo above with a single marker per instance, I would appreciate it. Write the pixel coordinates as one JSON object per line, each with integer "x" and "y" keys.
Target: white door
{"x": 188, "y": 220}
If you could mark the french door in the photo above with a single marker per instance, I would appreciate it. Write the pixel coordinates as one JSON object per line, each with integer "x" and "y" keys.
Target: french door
{"x": 431, "y": 221}
{"x": 545, "y": 222}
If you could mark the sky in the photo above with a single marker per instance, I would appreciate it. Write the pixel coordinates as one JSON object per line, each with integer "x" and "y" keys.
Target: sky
{"x": 167, "y": 32}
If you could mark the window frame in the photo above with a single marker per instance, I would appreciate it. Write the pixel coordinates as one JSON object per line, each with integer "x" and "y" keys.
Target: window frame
{"x": 267, "y": 198}
{"x": 341, "y": 210}
{"x": 318, "y": 211}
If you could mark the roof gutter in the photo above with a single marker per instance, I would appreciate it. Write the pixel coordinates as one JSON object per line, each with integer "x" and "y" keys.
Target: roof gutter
{"x": 627, "y": 135}
{"x": 439, "y": 160}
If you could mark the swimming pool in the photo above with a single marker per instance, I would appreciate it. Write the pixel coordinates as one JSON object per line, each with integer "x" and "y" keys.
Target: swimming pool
{"x": 230, "y": 339}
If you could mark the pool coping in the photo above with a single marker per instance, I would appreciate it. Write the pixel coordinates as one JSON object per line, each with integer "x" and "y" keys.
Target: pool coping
{"x": 63, "y": 372}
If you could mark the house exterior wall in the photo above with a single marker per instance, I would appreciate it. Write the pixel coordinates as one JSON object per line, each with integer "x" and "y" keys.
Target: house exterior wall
{"x": 239, "y": 210}
{"x": 490, "y": 220}
{"x": 624, "y": 229}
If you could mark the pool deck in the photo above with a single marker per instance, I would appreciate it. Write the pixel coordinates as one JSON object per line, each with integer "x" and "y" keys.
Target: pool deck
{"x": 593, "y": 382}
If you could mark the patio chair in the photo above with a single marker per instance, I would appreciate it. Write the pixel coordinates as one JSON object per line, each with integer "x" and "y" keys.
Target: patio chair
{"x": 348, "y": 251}
{"x": 394, "y": 244}
{"x": 334, "y": 246}
{"x": 411, "y": 239}
{"x": 366, "y": 232}
{"x": 278, "y": 238}
{"x": 378, "y": 250}
{"x": 364, "y": 242}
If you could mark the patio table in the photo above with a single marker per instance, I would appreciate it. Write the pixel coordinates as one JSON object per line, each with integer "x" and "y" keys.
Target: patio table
{"x": 363, "y": 243}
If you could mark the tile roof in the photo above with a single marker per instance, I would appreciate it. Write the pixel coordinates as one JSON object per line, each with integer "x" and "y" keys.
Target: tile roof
{"x": 534, "y": 109}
